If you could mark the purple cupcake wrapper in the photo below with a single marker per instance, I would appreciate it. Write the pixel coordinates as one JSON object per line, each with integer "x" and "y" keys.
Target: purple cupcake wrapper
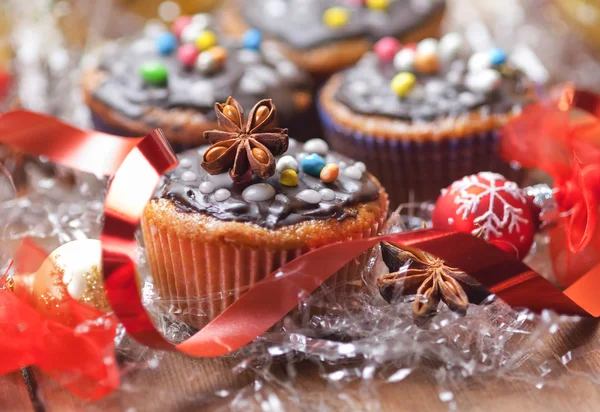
{"x": 418, "y": 170}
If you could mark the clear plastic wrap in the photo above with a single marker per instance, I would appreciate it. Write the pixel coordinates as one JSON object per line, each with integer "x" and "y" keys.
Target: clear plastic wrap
{"x": 348, "y": 350}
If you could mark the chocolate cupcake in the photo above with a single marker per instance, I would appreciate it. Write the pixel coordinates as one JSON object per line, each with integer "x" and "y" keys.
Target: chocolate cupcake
{"x": 232, "y": 213}
{"x": 172, "y": 80}
{"x": 426, "y": 117}
{"x": 325, "y": 36}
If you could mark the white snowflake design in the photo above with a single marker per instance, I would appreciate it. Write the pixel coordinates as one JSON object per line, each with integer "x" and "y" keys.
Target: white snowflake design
{"x": 489, "y": 223}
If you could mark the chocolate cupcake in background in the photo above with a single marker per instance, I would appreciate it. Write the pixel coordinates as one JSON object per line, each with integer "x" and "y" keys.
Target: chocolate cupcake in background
{"x": 325, "y": 36}
{"x": 172, "y": 80}
{"x": 233, "y": 212}
{"x": 426, "y": 116}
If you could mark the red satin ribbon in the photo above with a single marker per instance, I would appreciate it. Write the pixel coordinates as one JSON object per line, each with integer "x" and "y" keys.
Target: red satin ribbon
{"x": 141, "y": 162}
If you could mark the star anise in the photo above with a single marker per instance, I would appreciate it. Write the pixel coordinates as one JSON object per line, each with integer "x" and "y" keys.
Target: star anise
{"x": 240, "y": 148}
{"x": 429, "y": 278}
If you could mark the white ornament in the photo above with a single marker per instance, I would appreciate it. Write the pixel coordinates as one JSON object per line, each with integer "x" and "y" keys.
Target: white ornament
{"x": 358, "y": 88}
{"x": 222, "y": 195}
{"x": 287, "y": 162}
{"x": 288, "y": 70}
{"x": 185, "y": 163}
{"x": 353, "y": 172}
{"x": 435, "y": 88}
{"x": 327, "y": 194}
{"x": 483, "y": 81}
{"x": 489, "y": 223}
{"x": 479, "y": 61}
{"x": 259, "y": 192}
{"x": 318, "y": 146}
{"x": 467, "y": 99}
{"x": 188, "y": 176}
{"x": 404, "y": 60}
{"x": 309, "y": 196}
{"x": 191, "y": 32}
{"x": 207, "y": 187}
{"x": 450, "y": 45}
{"x": 427, "y": 46}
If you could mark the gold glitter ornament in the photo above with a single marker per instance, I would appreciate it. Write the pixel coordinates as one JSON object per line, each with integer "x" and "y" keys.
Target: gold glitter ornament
{"x": 74, "y": 269}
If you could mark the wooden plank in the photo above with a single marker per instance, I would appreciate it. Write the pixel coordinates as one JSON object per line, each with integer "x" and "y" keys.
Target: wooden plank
{"x": 177, "y": 383}
{"x": 13, "y": 393}
{"x": 181, "y": 383}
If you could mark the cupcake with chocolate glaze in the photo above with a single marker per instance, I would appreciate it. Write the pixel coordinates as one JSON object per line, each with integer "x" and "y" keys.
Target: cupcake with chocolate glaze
{"x": 173, "y": 79}
{"x": 325, "y": 36}
{"x": 233, "y": 212}
{"x": 427, "y": 116}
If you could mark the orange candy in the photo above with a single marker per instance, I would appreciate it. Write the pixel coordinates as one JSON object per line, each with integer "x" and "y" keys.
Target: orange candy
{"x": 330, "y": 173}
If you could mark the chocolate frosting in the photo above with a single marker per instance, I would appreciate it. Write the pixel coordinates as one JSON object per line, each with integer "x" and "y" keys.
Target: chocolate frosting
{"x": 184, "y": 187}
{"x": 299, "y": 23}
{"x": 366, "y": 89}
{"x": 247, "y": 74}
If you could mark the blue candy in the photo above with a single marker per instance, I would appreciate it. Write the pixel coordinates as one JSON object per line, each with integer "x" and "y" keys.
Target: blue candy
{"x": 497, "y": 56}
{"x": 252, "y": 39}
{"x": 166, "y": 43}
{"x": 312, "y": 164}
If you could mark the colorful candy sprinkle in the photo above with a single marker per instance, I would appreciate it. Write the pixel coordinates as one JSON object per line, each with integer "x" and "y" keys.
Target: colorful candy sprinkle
{"x": 287, "y": 162}
{"x": 258, "y": 192}
{"x": 378, "y": 4}
{"x": 426, "y": 63}
{"x": 187, "y": 54}
{"x": 202, "y": 20}
{"x": 327, "y": 194}
{"x": 252, "y": 39}
{"x": 449, "y": 46}
{"x": 312, "y": 164}
{"x": 222, "y": 195}
{"x": 206, "y": 63}
{"x": 483, "y": 81}
{"x": 309, "y": 196}
{"x": 479, "y": 61}
{"x": 353, "y": 172}
{"x": 190, "y": 33}
{"x": 386, "y": 48}
{"x": 289, "y": 178}
{"x": 497, "y": 56}
{"x": 205, "y": 40}
{"x": 179, "y": 24}
{"x": 166, "y": 43}
{"x": 154, "y": 73}
{"x": 336, "y": 17}
{"x": 427, "y": 46}
{"x": 330, "y": 173}
{"x": 318, "y": 146}
{"x": 403, "y": 82}
{"x": 404, "y": 60}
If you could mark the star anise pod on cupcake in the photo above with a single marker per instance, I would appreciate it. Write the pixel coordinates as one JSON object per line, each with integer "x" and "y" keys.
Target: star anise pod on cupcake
{"x": 428, "y": 278}
{"x": 244, "y": 146}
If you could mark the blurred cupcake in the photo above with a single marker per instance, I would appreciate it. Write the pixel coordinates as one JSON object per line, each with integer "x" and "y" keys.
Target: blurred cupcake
{"x": 232, "y": 213}
{"x": 425, "y": 117}
{"x": 172, "y": 80}
{"x": 324, "y": 36}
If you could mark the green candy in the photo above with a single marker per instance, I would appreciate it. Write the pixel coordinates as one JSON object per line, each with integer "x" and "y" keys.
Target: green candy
{"x": 154, "y": 73}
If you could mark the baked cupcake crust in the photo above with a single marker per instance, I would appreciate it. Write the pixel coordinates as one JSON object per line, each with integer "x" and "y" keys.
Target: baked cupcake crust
{"x": 335, "y": 54}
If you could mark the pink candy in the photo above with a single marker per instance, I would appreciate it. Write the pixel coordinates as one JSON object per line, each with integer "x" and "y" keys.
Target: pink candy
{"x": 179, "y": 24}
{"x": 187, "y": 54}
{"x": 386, "y": 48}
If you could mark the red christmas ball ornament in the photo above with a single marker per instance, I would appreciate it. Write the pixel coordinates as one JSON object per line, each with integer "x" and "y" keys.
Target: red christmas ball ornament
{"x": 488, "y": 205}
{"x": 386, "y": 48}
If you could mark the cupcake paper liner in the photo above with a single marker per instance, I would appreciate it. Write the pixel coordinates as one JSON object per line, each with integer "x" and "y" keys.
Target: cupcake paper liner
{"x": 200, "y": 280}
{"x": 418, "y": 170}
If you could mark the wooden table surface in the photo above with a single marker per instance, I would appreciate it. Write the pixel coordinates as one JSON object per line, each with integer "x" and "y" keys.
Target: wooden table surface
{"x": 183, "y": 384}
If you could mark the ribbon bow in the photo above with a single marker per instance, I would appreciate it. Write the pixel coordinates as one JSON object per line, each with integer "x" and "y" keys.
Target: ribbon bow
{"x": 553, "y": 137}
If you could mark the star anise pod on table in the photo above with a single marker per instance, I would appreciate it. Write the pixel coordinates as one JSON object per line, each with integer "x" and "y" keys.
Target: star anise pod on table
{"x": 241, "y": 146}
{"x": 415, "y": 272}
